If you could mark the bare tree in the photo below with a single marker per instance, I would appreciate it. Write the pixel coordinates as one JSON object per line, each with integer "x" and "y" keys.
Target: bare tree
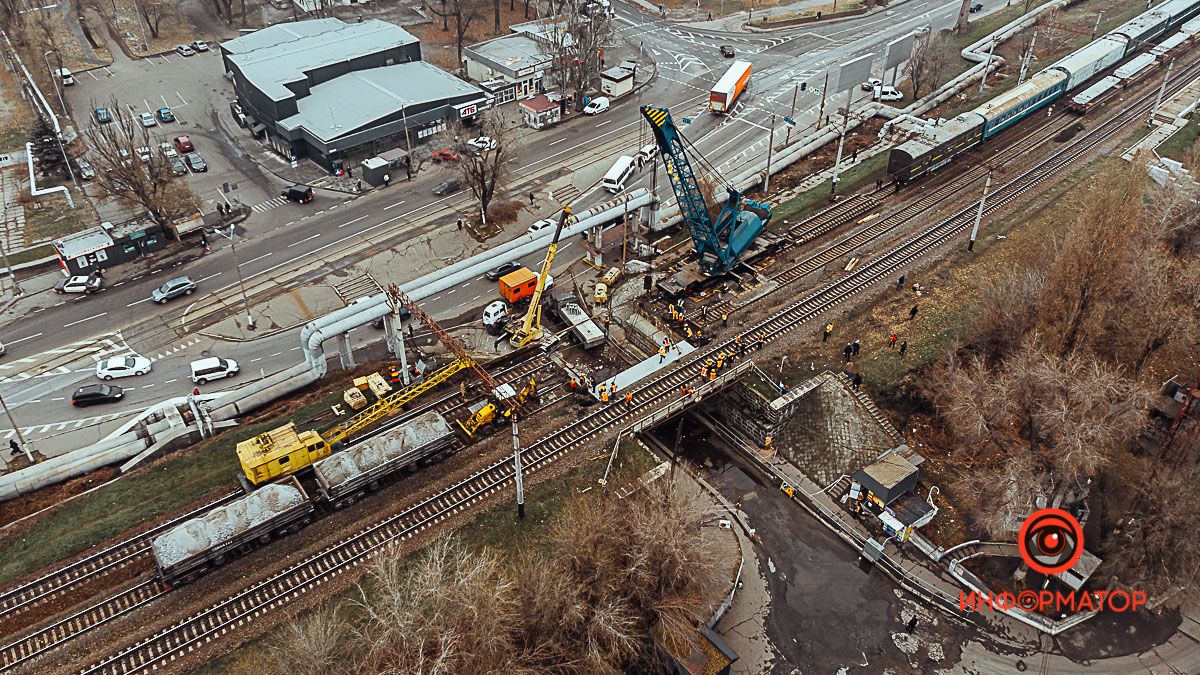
{"x": 464, "y": 12}
{"x": 315, "y": 644}
{"x": 153, "y": 12}
{"x": 150, "y": 184}
{"x": 1008, "y": 312}
{"x": 573, "y": 42}
{"x": 1038, "y": 426}
{"x": 485, "y": 169}
{"x": 928, "y": 60}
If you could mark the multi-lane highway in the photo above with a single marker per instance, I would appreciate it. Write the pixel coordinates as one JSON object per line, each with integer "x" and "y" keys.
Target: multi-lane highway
{"x": 55, "y": 343}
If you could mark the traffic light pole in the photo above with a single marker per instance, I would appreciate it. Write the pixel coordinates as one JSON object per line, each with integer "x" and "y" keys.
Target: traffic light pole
{"x": 788, "y": 139}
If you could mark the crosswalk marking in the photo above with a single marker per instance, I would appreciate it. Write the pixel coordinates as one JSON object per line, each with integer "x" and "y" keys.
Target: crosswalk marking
{"x": 269, "y": 204}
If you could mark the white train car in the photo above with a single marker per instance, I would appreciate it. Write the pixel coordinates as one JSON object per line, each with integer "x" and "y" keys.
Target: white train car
{"x": 1084, "y": 63}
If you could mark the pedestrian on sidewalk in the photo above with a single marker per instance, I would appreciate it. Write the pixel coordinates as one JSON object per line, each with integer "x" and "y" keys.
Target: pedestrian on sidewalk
{"x": 531, "y": 199}
{"x": 912, "y": 313}
{"x": 857, "y": 381}
{"x": 387, "y": 178}
{"x": 710, "y": 16}
{"x": 857, "y": 346}
{"x": 460, "y": 223}
{"x": 903, "y": 347}
{"x": 892, "y": 341}
{"x": 854, "y": 157}
{"x": 16, "y": 448}
{"x": 848, "y": 350}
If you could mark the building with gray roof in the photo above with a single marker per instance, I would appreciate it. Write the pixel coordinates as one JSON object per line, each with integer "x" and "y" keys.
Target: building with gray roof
{"x": 335, "y": 91}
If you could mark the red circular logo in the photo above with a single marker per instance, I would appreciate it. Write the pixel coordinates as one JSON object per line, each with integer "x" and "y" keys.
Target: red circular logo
{"x": 1050, "y": 541}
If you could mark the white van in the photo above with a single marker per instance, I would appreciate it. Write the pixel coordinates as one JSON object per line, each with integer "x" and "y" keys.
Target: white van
{"x": 213, "y": 368}
{"x": 65, "y": 75}
{"x": 621, "y": 171}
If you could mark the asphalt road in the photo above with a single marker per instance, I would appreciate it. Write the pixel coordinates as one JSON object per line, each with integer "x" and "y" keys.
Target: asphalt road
{"x": 53, "y": 348}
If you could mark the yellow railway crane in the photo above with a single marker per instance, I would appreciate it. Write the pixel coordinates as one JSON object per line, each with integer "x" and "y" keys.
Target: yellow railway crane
{"x": 503, "y": 399}
{"x": 530, "y": 328}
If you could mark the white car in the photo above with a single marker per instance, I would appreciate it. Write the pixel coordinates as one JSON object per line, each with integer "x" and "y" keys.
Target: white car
{"x": 168, "y": 150}
{"x": 871, "y": 83}
{"x": 482, "y": 143}
{"x": 540, "y": 225}
{"x": 122, "y": 366}
{"x": 200, "y": 46}
{"x": 596, "y": 106}
{"x": 887, "y": 93}
{"x": 148, "y": 119}
{"x": 143, "y": 154}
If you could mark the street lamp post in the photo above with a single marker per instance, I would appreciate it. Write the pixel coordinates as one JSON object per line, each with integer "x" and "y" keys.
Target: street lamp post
{"x": 17, "y": 429}
{"x": 54, "y": 78}
{"x": 11, "y": 273}
{"x": 238, "y": 265}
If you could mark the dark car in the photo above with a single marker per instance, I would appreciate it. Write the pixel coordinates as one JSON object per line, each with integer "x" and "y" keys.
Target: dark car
{"x": 510, "y": 266}
{"x": 298, "y": 193}
{"x": 447, "y": 186}
{"x": 165, "y": 115}
{"x": 195, "y": 162}
{"x": 173, "y": 289}
{"x": 976, "y": 7}
{"x": 727, "y": 51}
{"x": 102, "y": 115}
{"x": 96, "y": 393}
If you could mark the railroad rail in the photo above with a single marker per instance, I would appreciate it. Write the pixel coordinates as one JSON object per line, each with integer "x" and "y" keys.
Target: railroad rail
{"x": 276, "y": 591}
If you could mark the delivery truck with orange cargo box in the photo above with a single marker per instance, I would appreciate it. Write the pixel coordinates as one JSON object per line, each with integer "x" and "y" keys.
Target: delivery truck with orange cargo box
{"x": 731, "y": 85}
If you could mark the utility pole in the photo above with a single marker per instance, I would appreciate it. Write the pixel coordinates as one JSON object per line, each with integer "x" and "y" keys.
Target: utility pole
{"x": 837, "y": 162}
{"x": 407, "y": 138}
{"x": 17, "y": 429}
{"x": 12, "y": 275}
{"x": 625, "y": 233}
{"x": 821, "y": 110}
{"x": 770, "y": 147}
{"x": 55, "y": 80}
{"x": 787, "y": 139}
{"x": 517, "y": 467}
{"x": 1161, "y": 90}
{"x": 987, "y": 185}
{"x": 238, "y": 265}
{"x": 1025, "y": 59}
{"x": 137, "y": 8}
{"x": 987, "y": 66}
{"x": 1097, "y": 26}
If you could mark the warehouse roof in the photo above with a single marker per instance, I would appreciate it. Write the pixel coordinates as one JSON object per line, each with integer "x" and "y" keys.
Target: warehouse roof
{"x": 511, "y": 52}
{"x": 271, "y": 57}
{"x": 352, "y": 101}
{"x": 83, "y": 242}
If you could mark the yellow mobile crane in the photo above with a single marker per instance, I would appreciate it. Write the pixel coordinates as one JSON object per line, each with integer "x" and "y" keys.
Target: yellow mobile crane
{"x": 503, "y": 399}
{"x": 530, "y": 328}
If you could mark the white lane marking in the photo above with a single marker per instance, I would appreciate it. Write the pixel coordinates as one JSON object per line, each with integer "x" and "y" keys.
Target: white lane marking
{"x": 350, "y": 222}
{"x": 211, "y": 276}
{"x": 393, "y": 205}
{"x": 173, "y": 379}
{"x": 68, "y": 325}
{"x": 59, "y": 398}
{"x": 256, "y": 259}
{"x": 138, "y": 302}
{"x": 30, "y": 337}
{"x": 556, "y": 142}
{"x": 304, "y": 240}
{"x": 603, "y": 123}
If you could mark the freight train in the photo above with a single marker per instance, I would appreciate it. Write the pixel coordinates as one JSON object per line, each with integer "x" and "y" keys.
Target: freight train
{"x": 936, "y": 145}
{"x": 277, "y": 509}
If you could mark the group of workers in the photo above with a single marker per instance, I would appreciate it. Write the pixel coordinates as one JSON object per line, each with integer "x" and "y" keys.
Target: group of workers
{"x": 604, "y": 391}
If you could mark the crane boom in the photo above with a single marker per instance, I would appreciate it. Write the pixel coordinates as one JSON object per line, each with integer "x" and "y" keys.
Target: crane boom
{"x": 719, "y": 244}
{"x": 531, "y": 326}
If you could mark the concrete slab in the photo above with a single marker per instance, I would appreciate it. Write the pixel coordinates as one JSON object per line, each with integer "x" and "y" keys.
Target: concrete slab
{"x": 647, "y": 367}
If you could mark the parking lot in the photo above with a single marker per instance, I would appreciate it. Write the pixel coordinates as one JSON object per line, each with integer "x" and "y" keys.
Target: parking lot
{"x": 198, "y": 95}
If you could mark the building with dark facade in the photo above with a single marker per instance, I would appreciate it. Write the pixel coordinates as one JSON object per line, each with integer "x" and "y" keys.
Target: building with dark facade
{"x": 335, "y": 91}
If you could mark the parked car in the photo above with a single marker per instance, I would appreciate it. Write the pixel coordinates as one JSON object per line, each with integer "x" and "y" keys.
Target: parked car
{"x": 168, "y": 150}
{"x": 86, "y": 171}
{"x": 165, "y": 115}
{"x": 200, "y": 45}
{"x": 596, "y": 106}
{"x": 298, "y": 193}
{"x": 177, "y": 166}
{"x": 195, "y": 162}
{"x": 887, "y": 93}
{"x": 174, "y": 288}
{"x": 647, "y": 154}
{"x": 976, "y": 7}
{"x": 183, "y": 144}
{"x": 445, "y": 155}
{"x": 540, "y": 225}
{"x": 727, "y": 51}
{"x": 148, "y": 119}
{"x": 482, "y": 143}
{"x": 495, "y": 273}
{"x": 143, "y": 154}
{"x": 185, "y": 50}
{"x": 91, "y": 394}
{"x": 102, "y": 115}
{"x": 213, "y": 368}
{"x": 65, "y": 76}
{"x": 123, "y": 366}
{"x": 78, "y": 284}
{"x": 447, "y": 186}
{"x": 870, "y": 84}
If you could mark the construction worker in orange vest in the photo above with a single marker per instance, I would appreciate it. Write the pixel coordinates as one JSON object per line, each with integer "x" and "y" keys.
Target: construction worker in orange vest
{"x": 573, "y": 384}
{"x": 629, "y": 399}
{"x": 712, "y": 375}
{"x": 683, "y": 391}
{"x": 603, "y": 395}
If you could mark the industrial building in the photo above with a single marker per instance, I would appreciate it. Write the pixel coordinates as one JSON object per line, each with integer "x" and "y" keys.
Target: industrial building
{"x": 338, "y": 92}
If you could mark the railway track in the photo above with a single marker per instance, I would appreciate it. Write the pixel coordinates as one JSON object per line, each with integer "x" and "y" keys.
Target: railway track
{"x": 123, "y": 601}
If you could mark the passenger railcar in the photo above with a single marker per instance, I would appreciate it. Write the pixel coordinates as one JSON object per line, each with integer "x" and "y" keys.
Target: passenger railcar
{"x": 934, "y": 146}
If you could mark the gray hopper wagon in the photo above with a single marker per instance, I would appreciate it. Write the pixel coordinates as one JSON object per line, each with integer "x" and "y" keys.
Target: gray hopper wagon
{"x": 191, "y": 548}
{"x": 344, "y": 476}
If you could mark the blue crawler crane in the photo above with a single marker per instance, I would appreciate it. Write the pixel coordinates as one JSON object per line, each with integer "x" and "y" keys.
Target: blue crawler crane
{"x": 719, "y": 245}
